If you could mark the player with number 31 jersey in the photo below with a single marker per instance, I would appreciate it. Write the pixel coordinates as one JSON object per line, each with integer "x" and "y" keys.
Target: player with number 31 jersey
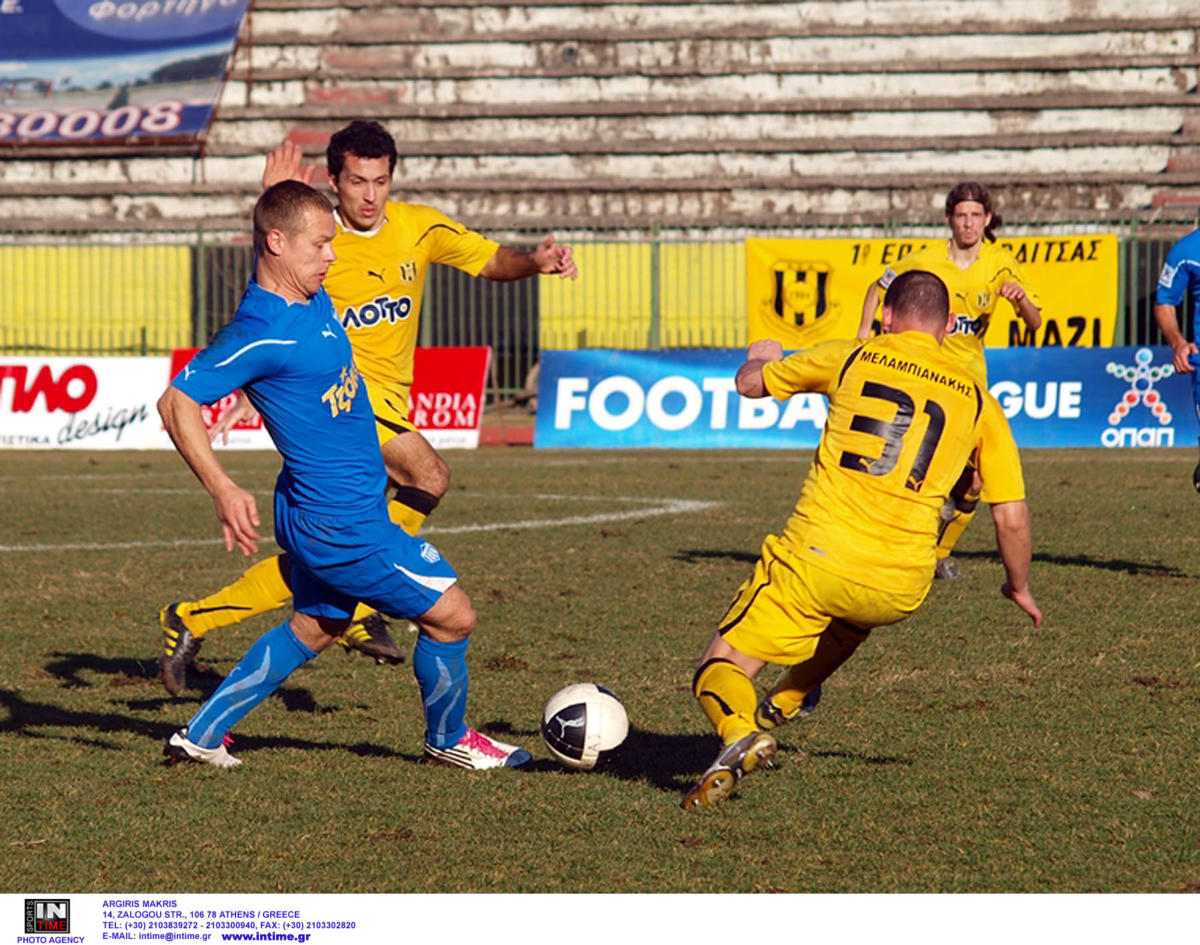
{"x": 907, "y": 414}
{"x": 858, "y": 550}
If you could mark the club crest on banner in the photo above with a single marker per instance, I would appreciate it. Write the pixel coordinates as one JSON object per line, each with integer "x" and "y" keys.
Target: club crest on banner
{"x": 800, "y": 291}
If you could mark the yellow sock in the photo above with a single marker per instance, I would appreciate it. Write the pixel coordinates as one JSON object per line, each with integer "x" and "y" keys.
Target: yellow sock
{"x": 406, "y": 516}
{"x": 264, "y": 586}
{"x": 836, "y": 644}
{"x": 959, "y": 509}
{"x": 952, "y": 531}
{"x": 362, "y": 611}
{"x": 727, "y": 696}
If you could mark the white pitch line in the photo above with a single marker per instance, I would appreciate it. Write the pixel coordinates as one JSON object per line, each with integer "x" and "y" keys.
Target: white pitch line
{"x": 673, "y": 507}
{"x": 666, "y": 507}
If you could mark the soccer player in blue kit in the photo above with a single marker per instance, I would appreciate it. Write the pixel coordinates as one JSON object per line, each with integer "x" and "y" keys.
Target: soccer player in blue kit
{"x": 287, "y": 350}
{"x": 1180, "y": 276}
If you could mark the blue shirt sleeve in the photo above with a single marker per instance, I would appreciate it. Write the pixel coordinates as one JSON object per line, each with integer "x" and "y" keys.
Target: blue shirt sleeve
{"x": 1180, "y": 271}
{"x": 238, "y": 355}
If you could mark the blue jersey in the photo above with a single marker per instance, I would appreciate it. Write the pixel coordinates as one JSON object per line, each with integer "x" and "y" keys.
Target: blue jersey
{"x": 294, "y": 362}
{"x": 1181, "y": 275}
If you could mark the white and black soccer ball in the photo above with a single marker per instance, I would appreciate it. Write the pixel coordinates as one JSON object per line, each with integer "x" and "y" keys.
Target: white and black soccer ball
{"x": 582, "y": 723}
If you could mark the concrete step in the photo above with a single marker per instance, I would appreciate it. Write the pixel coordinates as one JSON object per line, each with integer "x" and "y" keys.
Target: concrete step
{"x": 653, "y": 169}
{"x": 1175, "y": 128}
{"x": 258, "y": 63}
{"x": 408, "y": 58}
{"x": 641, "y": 159}
{"x": 453, "y": 22}
{"x": 490, "y": 204}
{"x": 844, "y": 13}
{"x": 868, "y": 88}
{"x": 446, "y": 106}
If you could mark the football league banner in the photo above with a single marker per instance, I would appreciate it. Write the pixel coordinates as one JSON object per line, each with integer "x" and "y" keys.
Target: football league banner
{"x": 1101, "y": 397}
{"x": 112, "y": 71}
{"x": 801, "y": 292}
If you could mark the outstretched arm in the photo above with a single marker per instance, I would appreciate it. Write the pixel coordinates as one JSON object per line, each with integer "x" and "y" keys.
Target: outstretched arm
{"x": 509, "y": 264}
{"x": 235, "y": 506}
{"x": 749, "y": 376}
{"x": 1014, "y": 537}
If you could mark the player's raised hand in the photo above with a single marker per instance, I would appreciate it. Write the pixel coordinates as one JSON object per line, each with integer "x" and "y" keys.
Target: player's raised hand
{"x": 238, "y": 513}
{"x": 1023, "y": 599}
{"x": 553, "y": 257}
{"x": 286, "y": 162}
{"x": 242, "y": 411}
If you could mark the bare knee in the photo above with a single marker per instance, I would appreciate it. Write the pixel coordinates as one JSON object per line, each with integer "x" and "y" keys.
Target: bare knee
{"x": 412, "y": 462}
{"x": 436, "y": 477}
{"x": 316, "y": 633}
{"x": 451, "y": 618}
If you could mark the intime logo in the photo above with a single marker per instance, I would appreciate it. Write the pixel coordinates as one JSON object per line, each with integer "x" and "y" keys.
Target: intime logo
{"x": 47, "y": 915}
{"x": 71, "y": 391}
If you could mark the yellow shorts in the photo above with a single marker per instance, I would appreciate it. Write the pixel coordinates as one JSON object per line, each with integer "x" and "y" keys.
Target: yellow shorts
{"x": 390, "y": 406}
{"x": 780, "y": 613}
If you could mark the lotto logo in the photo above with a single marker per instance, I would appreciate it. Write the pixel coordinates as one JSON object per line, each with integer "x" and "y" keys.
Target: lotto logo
{"x": 47, "y": 915}
{"x": 382, "y": 309}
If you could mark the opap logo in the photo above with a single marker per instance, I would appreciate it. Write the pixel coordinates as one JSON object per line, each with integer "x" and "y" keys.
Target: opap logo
{"x": 1141, "y": 377}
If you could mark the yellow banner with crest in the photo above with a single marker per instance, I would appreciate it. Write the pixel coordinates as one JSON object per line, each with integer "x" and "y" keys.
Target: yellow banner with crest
{"x": 805, "y": 291}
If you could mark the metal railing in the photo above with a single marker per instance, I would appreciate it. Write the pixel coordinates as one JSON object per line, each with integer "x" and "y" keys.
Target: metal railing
{"x": 100, "y": 294}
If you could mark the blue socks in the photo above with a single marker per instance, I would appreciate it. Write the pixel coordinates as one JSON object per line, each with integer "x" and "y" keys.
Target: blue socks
{"x": 268, "y": 662}
{"x": 440, "y": 668}
{"x": 441, "y": 671}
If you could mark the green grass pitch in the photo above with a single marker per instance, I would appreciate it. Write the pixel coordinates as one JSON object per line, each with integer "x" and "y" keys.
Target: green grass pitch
{"x": 960, "y": 751}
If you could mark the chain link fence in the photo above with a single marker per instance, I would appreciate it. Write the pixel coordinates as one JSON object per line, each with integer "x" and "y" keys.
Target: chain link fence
{"x": 124, "y": 293}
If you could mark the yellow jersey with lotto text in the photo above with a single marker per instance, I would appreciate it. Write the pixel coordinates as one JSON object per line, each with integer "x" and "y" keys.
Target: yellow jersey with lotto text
{"x": 974, "y": 293}
{"x": 904, "y": 417}
{"x": 378, "y": 279}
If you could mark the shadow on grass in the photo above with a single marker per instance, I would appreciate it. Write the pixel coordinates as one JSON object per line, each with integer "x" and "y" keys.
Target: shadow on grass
{"x": 1084, "y": 561}
{"x": 68, "y": 667}
{"x": 23, "y": 716}
{"x": 696, "y": 555}
{"x": 672, "y": 763}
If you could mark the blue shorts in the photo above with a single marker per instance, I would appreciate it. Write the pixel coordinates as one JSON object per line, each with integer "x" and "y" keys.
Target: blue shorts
{"x": 338, "y": 561}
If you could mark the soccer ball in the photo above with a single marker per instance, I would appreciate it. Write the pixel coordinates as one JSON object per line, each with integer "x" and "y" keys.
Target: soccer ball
{"x": 583, "y": 723}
